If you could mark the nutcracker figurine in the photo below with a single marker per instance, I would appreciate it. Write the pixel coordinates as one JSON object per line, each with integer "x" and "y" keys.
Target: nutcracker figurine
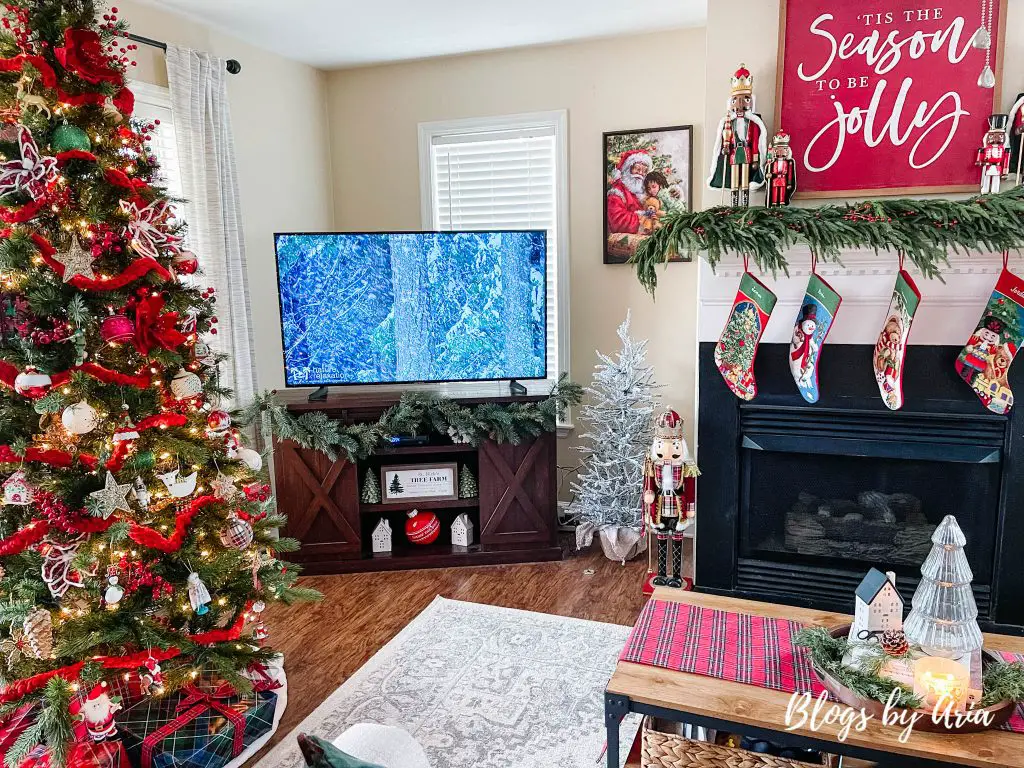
{"x": 780, "y": 172}
{"x": 740, "y": 143}
{"x": 1017, "y": 136}
{"x": 668, "y": 495}
{"x": 994, "y": 154}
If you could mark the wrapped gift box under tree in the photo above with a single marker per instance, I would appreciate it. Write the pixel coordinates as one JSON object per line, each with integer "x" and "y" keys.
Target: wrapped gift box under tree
{"x": 203, "y": 725}
{"x": 83, "y": 754}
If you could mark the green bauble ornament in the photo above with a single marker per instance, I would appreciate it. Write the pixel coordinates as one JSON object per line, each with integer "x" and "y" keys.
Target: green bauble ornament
{"x": 67, "y": 137}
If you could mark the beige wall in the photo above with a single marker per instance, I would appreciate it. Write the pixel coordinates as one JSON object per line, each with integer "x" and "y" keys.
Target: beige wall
{"x": 374, "y": 113}
{"x": 281, "y": 146}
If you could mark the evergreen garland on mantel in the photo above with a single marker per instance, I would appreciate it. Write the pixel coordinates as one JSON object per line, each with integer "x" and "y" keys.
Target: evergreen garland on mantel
{"x": 414, "y": 413}
{"x": 925, "y": 231}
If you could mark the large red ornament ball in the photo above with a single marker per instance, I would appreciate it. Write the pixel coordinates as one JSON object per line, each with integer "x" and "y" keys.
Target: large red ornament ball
{"x": 422, "y": 527}
{"x": 186, "y": 263}
{"x": 117, "y": 328}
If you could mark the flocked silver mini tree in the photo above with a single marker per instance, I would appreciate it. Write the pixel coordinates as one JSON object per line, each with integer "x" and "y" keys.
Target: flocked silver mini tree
{"x": 944, "y": 617}
{"x": 618, "y": 430}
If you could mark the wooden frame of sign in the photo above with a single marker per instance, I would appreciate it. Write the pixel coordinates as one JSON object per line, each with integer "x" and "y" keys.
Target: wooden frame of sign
{"x": 433, "y": 480}
{"x": 998, "y": 46}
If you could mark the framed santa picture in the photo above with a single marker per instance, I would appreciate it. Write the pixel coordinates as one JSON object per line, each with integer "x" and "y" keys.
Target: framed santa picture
{"x": 888, "y": 98}
{"x": 647, "y": 176}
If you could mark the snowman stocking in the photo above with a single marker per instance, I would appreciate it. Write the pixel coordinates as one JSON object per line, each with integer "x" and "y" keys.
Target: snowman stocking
{"x": 891, "y": 347}
{"x": 817, "y": 311}
{"x": 985, "y": 361}
{"x": 737, "y": 347}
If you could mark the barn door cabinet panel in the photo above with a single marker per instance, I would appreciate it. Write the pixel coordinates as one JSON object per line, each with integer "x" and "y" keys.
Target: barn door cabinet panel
{"x": 517, "y": 494}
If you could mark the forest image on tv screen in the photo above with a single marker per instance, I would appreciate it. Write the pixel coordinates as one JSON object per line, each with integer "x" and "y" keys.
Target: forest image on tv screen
{"x": 378, "y": 308}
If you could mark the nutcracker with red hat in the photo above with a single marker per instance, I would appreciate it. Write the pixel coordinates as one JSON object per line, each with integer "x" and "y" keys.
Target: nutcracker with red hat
{"x": 737, "y": 163}
{"x": 994, "y": 154}
{"x": 668, "y": 495}
{"x": 780, "y": 172}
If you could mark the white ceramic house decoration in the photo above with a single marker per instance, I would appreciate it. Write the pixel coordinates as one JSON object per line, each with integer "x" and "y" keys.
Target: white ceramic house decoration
{"x": 381, "y": 538}
{"x": 462, "y": 531}
{"x": 879, "y": 606}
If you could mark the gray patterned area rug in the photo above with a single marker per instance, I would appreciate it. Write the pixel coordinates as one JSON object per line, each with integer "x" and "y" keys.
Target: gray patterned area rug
{"x": 482, "y": 687}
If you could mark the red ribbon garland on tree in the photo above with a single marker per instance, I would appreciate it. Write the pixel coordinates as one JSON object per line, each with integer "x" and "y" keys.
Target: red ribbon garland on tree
{"x": 140, "y": 267}
{"x": 148, "y": 537}
{"x": 22, "y": 214}
{"x": 8, "y": 373}
{"x": 18, "y": 542}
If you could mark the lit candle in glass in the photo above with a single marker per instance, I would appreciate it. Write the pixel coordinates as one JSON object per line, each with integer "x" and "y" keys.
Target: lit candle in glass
{"x": 941, "y": 682}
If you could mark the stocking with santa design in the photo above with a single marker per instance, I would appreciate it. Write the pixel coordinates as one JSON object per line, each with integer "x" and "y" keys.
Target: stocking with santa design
{"x": 985, "y": 360}
{"x": 737, "y": 347}
{"x": 814, "y": 321}
{"x": 891, "y": 347}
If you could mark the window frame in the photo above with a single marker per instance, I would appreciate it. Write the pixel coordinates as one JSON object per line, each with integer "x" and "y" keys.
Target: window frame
{"x": 558, "y": 121}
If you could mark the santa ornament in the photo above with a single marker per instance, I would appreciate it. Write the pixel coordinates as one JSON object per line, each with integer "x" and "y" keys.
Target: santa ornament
{"x": 780, "y": 172}
{"x": 737, "y": 347}
{"x": 737, "y": 162}
{"x": 994, "y": 154}
{"x": 985, "y": 360}
{"x": 217, "y": 423}
{"x": 813, "y": 323}
{"x": 891, "y": 347}
{"x": 668, "y": 495}
{"x": 97, "y": 713}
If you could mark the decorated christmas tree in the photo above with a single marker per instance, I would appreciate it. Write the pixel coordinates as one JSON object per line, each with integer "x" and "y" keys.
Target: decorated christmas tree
{"x": 617, "y": 435}
{"x": 138, "y": 532}
{"x": 944, "y": 617}
{"x": 739, "y": 339}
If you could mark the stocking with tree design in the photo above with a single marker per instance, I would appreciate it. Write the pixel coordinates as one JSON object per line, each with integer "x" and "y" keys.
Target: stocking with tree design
{"x": 737, "y": 347}
{"x": 985, "y": 360}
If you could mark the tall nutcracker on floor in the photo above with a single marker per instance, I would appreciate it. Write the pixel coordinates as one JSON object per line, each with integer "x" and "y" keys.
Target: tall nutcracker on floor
{"x": 994, "y": 154}
{"x": 668, "y": 498}
{"x": 737, "y": 163}
{"x": 780, "y": 172}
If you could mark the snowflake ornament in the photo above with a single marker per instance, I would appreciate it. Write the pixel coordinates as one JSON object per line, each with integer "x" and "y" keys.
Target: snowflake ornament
{"x": 147, "y": 227}
{"x": 32, "y": 173}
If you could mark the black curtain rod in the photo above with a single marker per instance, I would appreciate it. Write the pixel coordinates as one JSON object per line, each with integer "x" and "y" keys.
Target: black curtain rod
{"x": 233, "y": 66}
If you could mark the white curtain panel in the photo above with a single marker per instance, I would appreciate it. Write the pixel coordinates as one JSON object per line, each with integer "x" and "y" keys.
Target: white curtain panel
{"x": 206, "y": 152}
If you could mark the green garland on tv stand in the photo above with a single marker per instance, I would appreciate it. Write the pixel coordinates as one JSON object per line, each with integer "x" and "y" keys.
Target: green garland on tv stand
{"x": 414, "y": 413}
{"x": 925, "y": 231}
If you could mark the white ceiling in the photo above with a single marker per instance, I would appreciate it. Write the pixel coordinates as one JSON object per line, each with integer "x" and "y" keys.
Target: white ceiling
{"x": 332, "y": 34}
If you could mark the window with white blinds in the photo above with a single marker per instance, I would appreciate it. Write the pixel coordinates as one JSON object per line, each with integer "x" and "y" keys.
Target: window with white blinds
{"x": 152, "y": 103}
{"x": 503, "y": 173}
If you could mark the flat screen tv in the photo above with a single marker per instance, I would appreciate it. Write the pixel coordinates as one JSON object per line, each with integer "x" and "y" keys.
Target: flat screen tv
{"x": 410, "y": 307}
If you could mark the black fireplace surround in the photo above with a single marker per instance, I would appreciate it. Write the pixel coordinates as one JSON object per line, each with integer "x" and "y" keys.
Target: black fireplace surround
{"x": 797, "y": 501}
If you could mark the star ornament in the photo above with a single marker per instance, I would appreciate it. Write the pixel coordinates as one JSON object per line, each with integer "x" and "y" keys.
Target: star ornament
{"x": 76, "y": 260}
{"x": 111, "y": 498}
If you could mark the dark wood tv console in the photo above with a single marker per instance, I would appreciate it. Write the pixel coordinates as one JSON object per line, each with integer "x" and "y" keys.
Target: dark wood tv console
{"x": 514, "y": 516}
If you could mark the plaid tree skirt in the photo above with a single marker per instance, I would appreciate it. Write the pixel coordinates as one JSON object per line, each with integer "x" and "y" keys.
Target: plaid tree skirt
{"x": 738, "y": 647}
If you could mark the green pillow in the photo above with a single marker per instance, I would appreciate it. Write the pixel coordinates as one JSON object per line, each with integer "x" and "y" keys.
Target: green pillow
{"x": 322, "y": 754}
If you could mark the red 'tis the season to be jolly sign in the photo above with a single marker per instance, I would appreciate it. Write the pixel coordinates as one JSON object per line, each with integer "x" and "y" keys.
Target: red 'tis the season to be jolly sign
{"x": 885, "y": 95}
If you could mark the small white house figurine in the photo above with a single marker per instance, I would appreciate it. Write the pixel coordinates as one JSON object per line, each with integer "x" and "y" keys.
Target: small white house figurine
{"x": 879, "y": 606}
{"x": 381, "y": 537}
{"x": 462, "y": 531}
{"x": 17, "y": 491}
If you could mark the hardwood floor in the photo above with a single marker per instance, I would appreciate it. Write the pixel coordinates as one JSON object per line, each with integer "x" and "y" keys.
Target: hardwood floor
{"x": 324, "y": 643}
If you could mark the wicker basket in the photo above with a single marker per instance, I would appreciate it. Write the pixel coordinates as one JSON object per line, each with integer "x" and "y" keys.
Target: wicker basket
{"x": 668, "y": 750}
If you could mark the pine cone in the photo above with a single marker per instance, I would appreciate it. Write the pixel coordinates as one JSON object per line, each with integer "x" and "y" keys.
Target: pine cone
{"x": 894, "y": 642}
{"x": 38, "y": 629}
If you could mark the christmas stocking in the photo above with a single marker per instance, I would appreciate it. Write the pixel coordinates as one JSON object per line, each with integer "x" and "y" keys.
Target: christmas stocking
{"x": 737, "y": 348}
{"x": 891, "y": 347}
{"x": 985, "y": 361}
{"x": 817, "y": 312}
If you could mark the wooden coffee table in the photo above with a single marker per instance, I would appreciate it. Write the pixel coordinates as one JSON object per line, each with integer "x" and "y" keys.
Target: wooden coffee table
{"x": 759, "y": 712}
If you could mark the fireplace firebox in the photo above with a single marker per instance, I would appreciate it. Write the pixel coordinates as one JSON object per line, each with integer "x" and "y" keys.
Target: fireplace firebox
{"x": 796, "y": 501}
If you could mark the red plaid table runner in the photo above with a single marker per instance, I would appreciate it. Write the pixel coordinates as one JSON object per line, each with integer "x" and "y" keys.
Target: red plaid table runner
{"x": 730, "y": 646}
{"x": 734, "y": 646}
